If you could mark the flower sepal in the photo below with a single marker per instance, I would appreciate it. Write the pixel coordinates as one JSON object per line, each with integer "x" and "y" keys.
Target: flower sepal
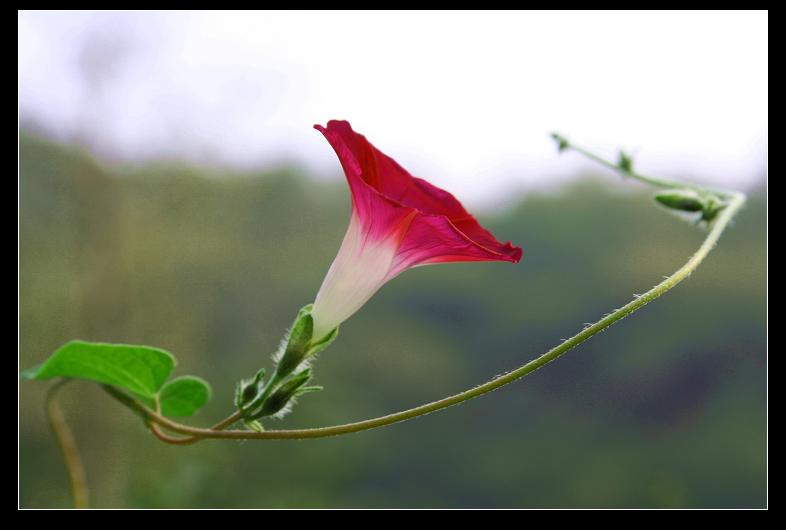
{"x": 299, "y": 345}
{"x": 294, "y": 348}
{"x": 281, "y": 401}
{"x": 317, "y": 346}
{"x": 256, "y": 398}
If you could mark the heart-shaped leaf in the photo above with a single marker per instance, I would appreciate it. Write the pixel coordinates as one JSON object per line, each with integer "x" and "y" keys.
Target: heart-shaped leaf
{"x": 183, "y": 396}
{"x": 139, "y": 369}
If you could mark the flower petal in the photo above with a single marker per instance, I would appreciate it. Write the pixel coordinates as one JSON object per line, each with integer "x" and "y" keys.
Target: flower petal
{"x": 378, "y": 214}
{"x": 363, "y": 161}
{"x": 361, "y": 267}
{"x": 435, "y": 239}
{"x": 398, "y": 222}
{"x": 372, "y": 175}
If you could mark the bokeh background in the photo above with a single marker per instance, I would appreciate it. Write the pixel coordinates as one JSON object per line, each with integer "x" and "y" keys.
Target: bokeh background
{"x": 172, "y": 193}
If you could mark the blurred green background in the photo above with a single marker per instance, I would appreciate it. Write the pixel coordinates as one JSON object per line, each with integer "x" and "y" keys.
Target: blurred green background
{"x": 666, "y": 409}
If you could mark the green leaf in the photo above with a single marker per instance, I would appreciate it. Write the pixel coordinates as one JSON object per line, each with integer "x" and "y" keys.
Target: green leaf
{"x": 30, "y": 373}
{"x": 184, "y": 395}
{"x": 139, "y": 369}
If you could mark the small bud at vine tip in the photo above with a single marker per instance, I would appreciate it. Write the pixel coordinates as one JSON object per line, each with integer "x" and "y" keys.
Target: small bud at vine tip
{"x": 562, "y": 142}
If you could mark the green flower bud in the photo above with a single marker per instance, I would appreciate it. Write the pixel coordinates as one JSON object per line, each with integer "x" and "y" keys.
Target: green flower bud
{"x": 562, "y": 142}
{"x": 685, "y": 200}
{"x": 255, "y": 399}
{"x": 278, "y": 401}
{"x": 248, "y": 389}
{"x": 692, "y": 201}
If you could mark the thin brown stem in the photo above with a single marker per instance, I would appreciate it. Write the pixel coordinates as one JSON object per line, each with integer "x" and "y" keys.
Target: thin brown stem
{"x": 155, "y": 426}
{"x": 67, "y": 443}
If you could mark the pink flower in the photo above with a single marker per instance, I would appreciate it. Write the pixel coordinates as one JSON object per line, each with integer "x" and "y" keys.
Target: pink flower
{"x": 398, "y": 222}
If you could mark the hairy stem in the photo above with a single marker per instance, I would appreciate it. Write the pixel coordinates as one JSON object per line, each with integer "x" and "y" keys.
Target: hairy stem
{"x": 67, "y": 443}
{"x": 733, "y": 202}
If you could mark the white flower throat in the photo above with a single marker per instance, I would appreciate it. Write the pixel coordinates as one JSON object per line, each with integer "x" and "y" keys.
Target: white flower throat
{"x": 361, "y": 267}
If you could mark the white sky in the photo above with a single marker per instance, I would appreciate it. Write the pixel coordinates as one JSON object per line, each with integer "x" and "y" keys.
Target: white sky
{"x": 465, "y": 100}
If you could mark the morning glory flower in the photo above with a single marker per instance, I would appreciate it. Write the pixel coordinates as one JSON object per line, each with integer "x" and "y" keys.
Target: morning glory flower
{"x": 398, "y": 222}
